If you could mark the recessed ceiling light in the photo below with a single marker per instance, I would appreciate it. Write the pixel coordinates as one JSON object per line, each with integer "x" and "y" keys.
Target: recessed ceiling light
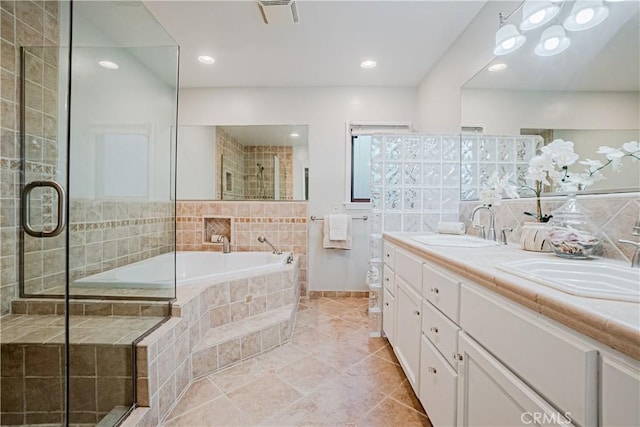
{"x": 294, "y": 135}
{"x": 108, "y": 64}
{"x": 205, "y": 59}
{"x": 368, "y": 64}
{"x": 497, "y": 67}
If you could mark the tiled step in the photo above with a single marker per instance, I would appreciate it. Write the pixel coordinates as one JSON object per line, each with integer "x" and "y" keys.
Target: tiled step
{"x": 228, "y": 344}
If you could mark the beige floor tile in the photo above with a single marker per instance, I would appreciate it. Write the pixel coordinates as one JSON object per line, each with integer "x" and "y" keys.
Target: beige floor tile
{"x": 263, "y": 398}
{"x": 332, "y": 374}
{"x": 391, "y": 413}
{"x": 199, "y": 392}
{"x": 238, "y": 375}
{"x": 305, "y": 412}
{"x": 405, "y": 395}
{"x": 219, "y": 412}
{"x": 307, "y": 374}
{"x": 275, "y": 359}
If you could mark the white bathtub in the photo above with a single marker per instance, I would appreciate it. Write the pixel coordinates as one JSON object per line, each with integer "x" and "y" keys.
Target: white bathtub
{"x": 190, "y": 268}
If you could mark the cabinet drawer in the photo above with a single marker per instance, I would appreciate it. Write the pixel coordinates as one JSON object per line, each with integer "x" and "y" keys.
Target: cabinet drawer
{"x": 441, "y": 290}
{"x": 438, "y": 386}
{"x": 388, "y": 317}
{"x": 554, "y": 362}
{"x": 389, "y": 280}
{"x": 389, "y": 255}
{"x": 409, "y": 267}
{"x": 441, "y": 331}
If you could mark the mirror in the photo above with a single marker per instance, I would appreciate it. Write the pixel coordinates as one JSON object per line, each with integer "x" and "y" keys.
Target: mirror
{"x": 588, "y": 94}
{"x": 255, "y": 162}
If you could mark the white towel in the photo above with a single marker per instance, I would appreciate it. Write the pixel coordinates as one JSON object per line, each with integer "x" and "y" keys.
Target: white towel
{"x": 328, "y": 243}
{"x": 338, "y": 226}
{"x": 451, "y": 228}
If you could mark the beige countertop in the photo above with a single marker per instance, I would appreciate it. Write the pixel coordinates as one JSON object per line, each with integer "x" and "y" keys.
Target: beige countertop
{"x": 613, "y": 323}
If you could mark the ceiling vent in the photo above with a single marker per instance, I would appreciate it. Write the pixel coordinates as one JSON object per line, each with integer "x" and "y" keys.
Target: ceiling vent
{"x": 278, "y": 12}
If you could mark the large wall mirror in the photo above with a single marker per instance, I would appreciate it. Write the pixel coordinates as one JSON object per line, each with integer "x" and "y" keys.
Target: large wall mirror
{"x": 588, "y": 94}
{"x": 253, "y": 162}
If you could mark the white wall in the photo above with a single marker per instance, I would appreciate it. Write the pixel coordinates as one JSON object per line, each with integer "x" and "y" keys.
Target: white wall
{"x": 326, "y": 111}
{"x": 505, "y": 112}
{"x": 196, "y": 162}
{"x": 439, "y": 108}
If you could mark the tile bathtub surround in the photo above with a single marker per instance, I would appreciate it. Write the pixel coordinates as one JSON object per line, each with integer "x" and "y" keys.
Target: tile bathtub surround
{"x": 25, "y": 23}
{"x": 283, "y": 223}
{"x": 214, "y": 326}
{"x": 330, "y": 374}
{"x": 614, "y": 214}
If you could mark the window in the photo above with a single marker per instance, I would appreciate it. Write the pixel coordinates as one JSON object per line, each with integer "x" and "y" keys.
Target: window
{"x": 360, "y": 162}
{"x": 361, "y": 136}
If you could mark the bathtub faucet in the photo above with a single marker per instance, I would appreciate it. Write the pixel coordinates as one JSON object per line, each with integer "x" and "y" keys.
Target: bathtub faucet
{"x": 226, "y": 247}
{"x": 263, "y": 239}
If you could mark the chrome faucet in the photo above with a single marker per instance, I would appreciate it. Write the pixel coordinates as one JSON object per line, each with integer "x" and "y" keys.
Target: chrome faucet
{"x": 492, "y": 223}
{"x": 263, "y": 239}
{"x": 635, "y": 260}
{"x": 226, "y": 247}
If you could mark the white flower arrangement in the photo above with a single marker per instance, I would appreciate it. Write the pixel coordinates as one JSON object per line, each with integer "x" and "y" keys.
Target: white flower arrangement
{"x": 551, "y": 167}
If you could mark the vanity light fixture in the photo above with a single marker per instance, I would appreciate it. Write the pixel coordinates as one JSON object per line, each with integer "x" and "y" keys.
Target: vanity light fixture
{"x": 368, "y": 64}
{"x": 553, "y": 41}
{"x": 294, "y": 135}
{"x": 586, "y": 14}
{"x": 508, "y": 39}
{"x": 498, "y": 67}
{"x": 206, "y": 59}
{"x": 110, "y": 65}
{"x": 536, "y": 13}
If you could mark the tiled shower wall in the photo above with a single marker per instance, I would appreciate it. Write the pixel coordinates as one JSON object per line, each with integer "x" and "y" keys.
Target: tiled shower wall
{"x": 614, "y": 214}
{"x": 24, "y": 23}
{"x": 283, "y": 223}
{"x": 264, "y": 155}
{"x": 233, "y": 152}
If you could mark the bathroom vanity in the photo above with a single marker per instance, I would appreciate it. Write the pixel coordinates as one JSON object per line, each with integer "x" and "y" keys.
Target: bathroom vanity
{"x": 481, "y": 346}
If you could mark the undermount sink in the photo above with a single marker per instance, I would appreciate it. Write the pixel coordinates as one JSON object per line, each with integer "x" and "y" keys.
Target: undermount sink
{"x": 584, "y": 278}
{"x": 457, "y": 240}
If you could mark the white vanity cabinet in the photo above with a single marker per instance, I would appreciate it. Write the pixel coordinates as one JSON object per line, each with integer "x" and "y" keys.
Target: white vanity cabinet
{"x": 408, "y": 325}
{"x": 489, "y": 394}
{"x": 619, "y": 391}
{"x": 389, "y": 292}
{"x": 438, "y": 385}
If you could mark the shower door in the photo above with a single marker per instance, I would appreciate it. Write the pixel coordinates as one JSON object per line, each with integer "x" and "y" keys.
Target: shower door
{"x": 98, "y": 139}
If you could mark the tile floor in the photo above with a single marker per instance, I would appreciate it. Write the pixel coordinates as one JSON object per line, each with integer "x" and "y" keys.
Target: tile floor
{"x": 331, "y": 374}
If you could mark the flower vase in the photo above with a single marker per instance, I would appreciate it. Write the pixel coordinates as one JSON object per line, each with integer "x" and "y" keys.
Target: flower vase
{"x": 572, "y": 233}
{"x": 534, "y": 237}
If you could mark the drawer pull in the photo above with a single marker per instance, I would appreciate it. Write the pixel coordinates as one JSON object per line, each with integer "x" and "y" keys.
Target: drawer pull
{"x": 387, "y": 304}
{"x": 434, "y": 329}
{"x": 432, "y": 370}
{"x": 435, "y": 290}
{"x": 416, "y": 312}
{"x": 457, "y": 356}
{"x": 386, "y": 279}
{"x": 387, "y": 255}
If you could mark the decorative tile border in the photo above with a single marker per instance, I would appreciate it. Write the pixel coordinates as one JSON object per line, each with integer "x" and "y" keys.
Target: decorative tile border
{"x": 338, "y": 294}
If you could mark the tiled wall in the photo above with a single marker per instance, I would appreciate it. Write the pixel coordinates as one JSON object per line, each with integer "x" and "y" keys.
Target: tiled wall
{"x": 282, "y": 223}
{"x": 614, "y": 214}
{"x": 33, "y": 377}
{"x": 264, "y": 155}
{"x": 233, "y": 152}
{"x": 415, "y": 181}
{"x": 25, "y": 23}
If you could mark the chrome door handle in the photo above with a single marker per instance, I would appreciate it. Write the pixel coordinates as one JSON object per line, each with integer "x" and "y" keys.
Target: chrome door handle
{"x": 434, "y": 329}
{"x": 26, "y": 207}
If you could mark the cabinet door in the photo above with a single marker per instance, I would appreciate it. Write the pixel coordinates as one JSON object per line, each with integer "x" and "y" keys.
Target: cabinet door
{"x": 491, "y": 395}
{"x": 388, "y": 317}
{"x": 620, "y": 393}
{"x": 408, "y": 325}
{"x": 438, "y": 383}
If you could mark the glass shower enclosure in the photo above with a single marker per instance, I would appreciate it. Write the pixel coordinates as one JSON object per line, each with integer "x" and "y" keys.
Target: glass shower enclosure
{"x": 95, "y": 203}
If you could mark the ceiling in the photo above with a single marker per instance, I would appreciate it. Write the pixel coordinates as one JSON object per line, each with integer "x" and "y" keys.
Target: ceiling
{"x": 325, "y": 48}
{"x": 274, "y": 135}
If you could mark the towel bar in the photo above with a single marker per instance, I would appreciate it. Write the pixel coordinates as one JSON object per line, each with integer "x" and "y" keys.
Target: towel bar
{"x": 363, "y": 217}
